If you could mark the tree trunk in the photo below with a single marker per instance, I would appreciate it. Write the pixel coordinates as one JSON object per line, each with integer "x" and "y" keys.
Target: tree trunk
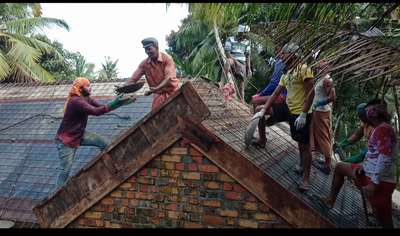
{"x": 228, "y": 75}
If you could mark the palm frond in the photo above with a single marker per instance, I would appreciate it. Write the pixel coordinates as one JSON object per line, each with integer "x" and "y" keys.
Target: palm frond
{"x": 4, "y": 66}
{"x": 29, "y": 25}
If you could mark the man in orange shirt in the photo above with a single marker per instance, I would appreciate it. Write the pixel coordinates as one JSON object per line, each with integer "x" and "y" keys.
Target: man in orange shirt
{"x": 159, "y": 69}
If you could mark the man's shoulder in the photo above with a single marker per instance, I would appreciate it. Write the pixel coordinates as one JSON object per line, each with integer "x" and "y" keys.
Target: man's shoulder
{"x": 165, "y": 56}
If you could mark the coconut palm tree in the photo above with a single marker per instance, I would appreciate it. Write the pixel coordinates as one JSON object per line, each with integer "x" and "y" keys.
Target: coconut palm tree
{"x": 109, "y": 69}
{"x": 20, "y": 50}
{"x": 80, "y": 67}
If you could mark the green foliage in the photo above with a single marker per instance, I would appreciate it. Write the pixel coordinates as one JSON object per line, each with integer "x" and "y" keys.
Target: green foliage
{"x": 109, "y": 69}
{"x": 20, "y": 49}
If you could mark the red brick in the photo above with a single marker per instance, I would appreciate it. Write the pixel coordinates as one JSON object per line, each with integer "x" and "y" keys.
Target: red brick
{"x": 228, "y": 186}
{"x": 93, "y": 215}
{"x": 143, "y": 172}
{"x": 116, "y": 194}
{"x": 180, "y": 166}
{"x": 143, "y": 188}
{"x": 230, "y": 213}
{"x": 250, "y": 206}
{"x": 247, "y": 223}
{"x": 212, "y": 203}
{"x": 172, "y": 207}
{"x": 251, "y": 198}
{"x": 126, "y": 186}
{"x": 238, "y": 188}
{"x": 191, "y": 225}
{"x": 125, "y": 202}
{"x": 173, "y": 214}
{"x": 191, "y": 175}
{"x": 212, "y": 185}
{"x": 232, "y": 195}
{"x": 208, "y": 168}
{"x": 192, "y": 167}
{"x": 154, "y": 172}
{"x": 153, "y": 189}
{"x": 171, "y": 158}
{"x": 179, "y": 150}
{"x": 169, "y": 165}
{"x": 144, "y": 196}
{"x": 197, "y": 159}
{"x": 130, "y": 194}
{"x": 213, "y": 220}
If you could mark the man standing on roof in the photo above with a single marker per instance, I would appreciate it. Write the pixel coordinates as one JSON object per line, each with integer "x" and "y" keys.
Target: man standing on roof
{"x": 377, "y": 173}
{"x": 71, "y": 134}
{"x": 296, "y": 110}
{"x": 321, "y": 123}
{"x": 237, "y": 50}
{"x": 159, "y": 69}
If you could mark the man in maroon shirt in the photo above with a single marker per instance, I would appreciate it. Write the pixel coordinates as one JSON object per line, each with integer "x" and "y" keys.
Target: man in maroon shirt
{"x": 159, "y": 69}
{"x": 71, "y": 134}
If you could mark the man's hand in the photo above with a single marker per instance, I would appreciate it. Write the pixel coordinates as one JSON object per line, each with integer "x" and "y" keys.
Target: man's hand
{"x": 320, "y": 103}
{"x": 369, "y": 190}
{"x": 300, "y": 122}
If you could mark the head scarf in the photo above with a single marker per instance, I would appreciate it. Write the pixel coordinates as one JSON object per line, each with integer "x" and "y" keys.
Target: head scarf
{"x": 75, "y": 90}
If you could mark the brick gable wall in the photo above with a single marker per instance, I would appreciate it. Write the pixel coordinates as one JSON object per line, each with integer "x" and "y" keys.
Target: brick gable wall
{"x": 180, "y": 188}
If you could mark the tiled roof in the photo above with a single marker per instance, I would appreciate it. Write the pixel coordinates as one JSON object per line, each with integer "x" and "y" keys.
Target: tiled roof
{"x": 28, "y": 155}
{"x": 229, "y": 121}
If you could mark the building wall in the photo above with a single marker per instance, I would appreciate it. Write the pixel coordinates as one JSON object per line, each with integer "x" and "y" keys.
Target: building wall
{"x": 180, "y": 188}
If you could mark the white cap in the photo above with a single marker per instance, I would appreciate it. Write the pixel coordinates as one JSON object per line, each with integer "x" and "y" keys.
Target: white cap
{"x": 243, "y": 28}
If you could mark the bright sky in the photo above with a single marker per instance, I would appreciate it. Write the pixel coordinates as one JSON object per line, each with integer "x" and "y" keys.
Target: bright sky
{"x": 113, "y": 29}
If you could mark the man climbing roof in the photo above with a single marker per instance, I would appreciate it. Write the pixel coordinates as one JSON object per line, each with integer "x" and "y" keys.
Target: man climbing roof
{"x": 71, "y": 134}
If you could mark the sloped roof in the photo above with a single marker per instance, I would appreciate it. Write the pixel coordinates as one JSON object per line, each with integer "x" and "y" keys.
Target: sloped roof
{"x": 217, "y": 129}
{"x": 162, "y": 128}
{"x": 29, "y": 118}
{"x": 229, "y": 122}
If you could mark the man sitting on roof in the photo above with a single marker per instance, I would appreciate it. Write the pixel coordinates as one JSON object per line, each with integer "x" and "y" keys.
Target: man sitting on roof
{"x": 377, "y": 173}
{"x": 71, "y": 134}
{"x": 279, "y": 67}
{"x": 159, "y": 69}
{"x": 364, "y": 130}
{"x": 296, "y": 110}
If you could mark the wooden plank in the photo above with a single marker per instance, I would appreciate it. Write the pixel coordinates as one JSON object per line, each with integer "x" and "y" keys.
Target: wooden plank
{"x": 267, "y": 190}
